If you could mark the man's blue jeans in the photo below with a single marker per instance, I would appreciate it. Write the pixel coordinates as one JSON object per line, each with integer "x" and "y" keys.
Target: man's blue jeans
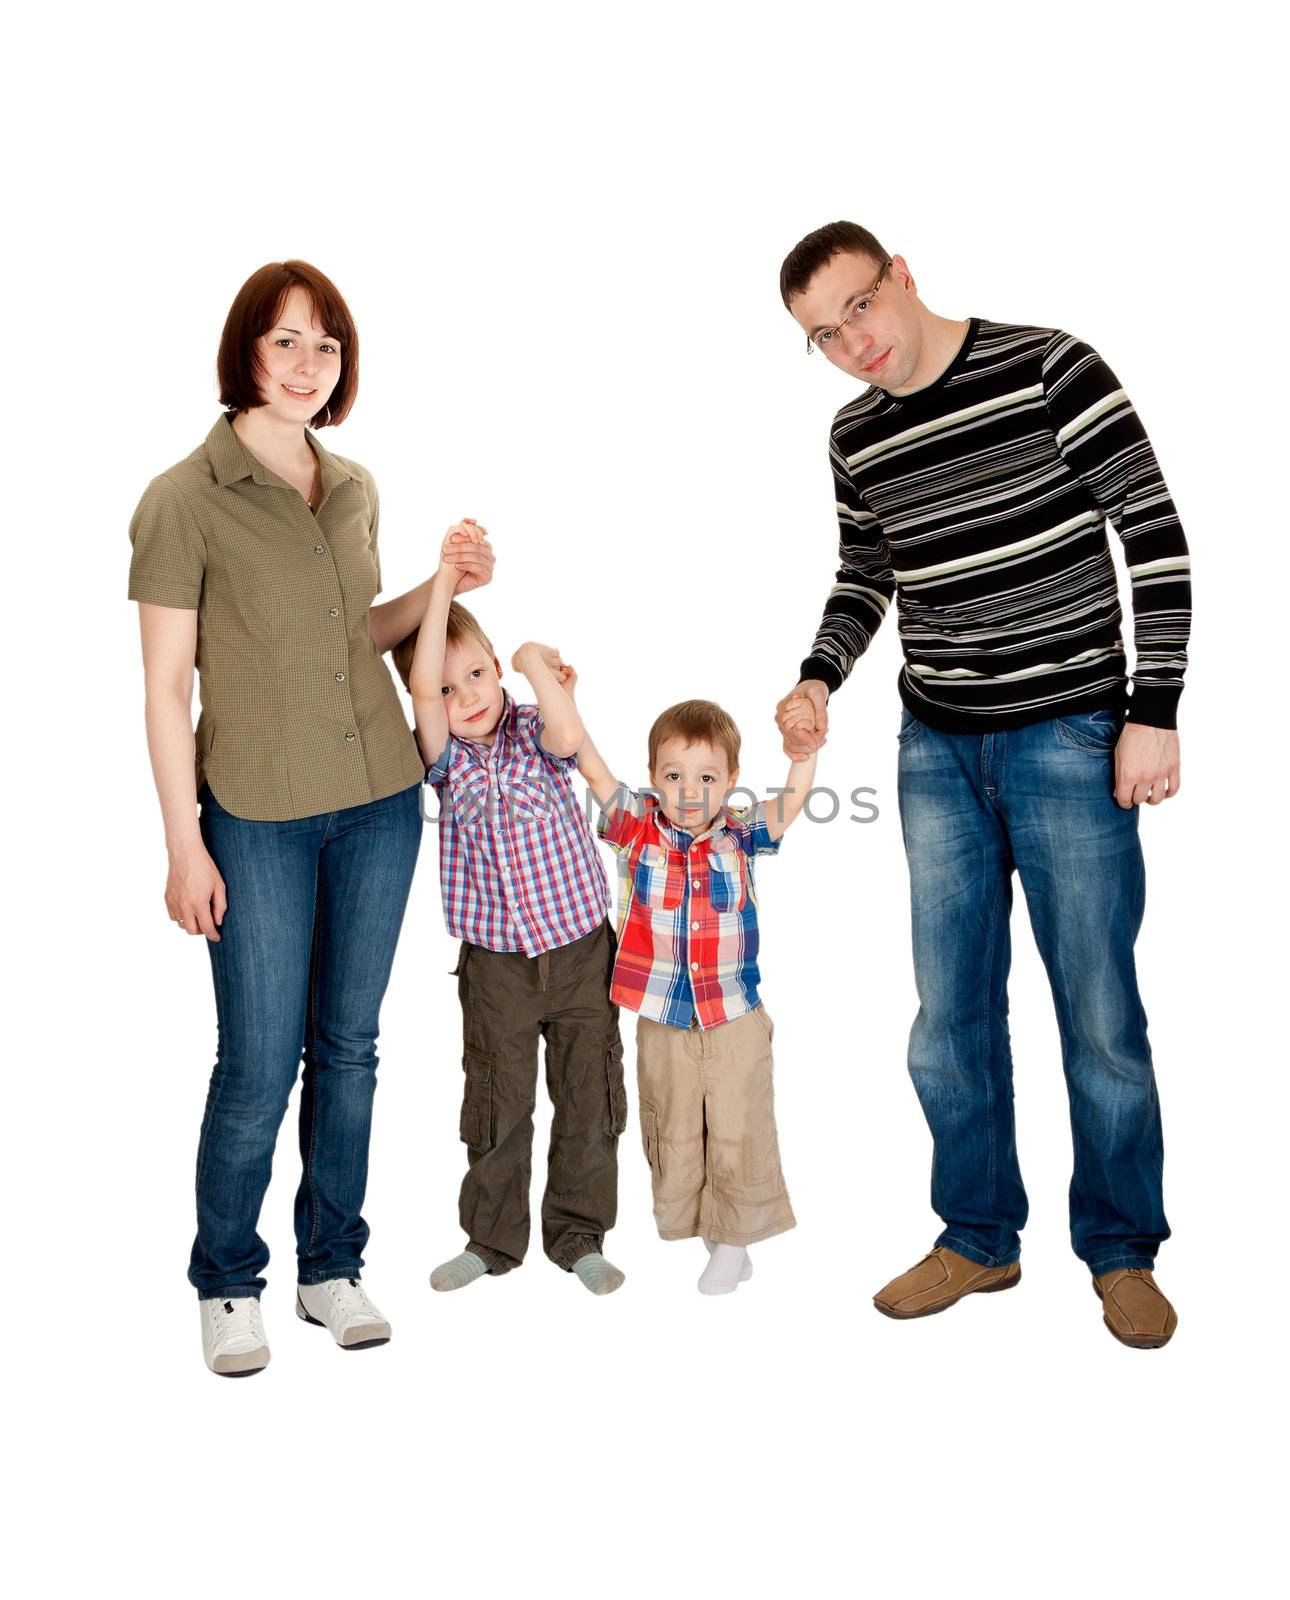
{"x": 973, "y": 807}
{"x": 304, "y": 956}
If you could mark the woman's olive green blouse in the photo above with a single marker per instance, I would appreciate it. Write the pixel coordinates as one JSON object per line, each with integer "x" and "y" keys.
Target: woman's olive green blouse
{"x": 299, "y": 712}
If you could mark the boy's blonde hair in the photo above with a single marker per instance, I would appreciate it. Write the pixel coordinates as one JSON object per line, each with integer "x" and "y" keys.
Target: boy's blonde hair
{"x": 461, "y": 626}
{"x": 692, "y": 721}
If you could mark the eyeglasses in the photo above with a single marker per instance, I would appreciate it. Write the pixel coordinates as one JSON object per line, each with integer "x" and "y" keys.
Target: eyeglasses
{"x": 830, "y": 338}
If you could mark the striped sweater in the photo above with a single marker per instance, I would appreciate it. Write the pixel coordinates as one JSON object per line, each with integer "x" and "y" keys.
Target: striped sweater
{"x": 981, "y": 503}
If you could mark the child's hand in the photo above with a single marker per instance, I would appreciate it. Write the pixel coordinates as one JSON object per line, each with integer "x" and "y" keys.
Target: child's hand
{"x": 546, "y": 653}
{"x": 467, "y": 556}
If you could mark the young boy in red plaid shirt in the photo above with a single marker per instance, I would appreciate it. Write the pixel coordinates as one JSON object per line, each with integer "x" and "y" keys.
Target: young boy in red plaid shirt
{"x": 687, "y": 963}
{"x": 525, "y": 891}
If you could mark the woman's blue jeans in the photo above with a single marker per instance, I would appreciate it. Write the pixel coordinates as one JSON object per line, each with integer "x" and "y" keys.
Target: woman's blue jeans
{"x": 304, "y": 956}
{"x": 1037, "y": 798}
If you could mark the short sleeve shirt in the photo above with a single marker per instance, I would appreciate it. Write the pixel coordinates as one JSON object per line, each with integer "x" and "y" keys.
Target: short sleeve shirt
{"x": 517, "y": 862}
{"x": 688, "y": 938}
{"x": 299, "y": 712}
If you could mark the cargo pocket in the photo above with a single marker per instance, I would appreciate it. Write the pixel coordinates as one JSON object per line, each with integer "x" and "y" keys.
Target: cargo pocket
{"x": 477, "y": 1103}
{"x": 617, "y": 1088}
{"x": 649, "y": 1137}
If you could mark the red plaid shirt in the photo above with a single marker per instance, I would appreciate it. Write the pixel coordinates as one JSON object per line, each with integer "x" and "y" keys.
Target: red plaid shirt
{"x": 517, "y": 862}
{"x": 687, "y": 921}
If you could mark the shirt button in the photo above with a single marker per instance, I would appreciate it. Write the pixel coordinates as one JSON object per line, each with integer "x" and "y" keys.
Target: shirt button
{"x": 694, "y": 966}
{"x": 694, "y": 925}
{"x": 694, "y": 883}
{"x": 320, "y": 549}
{"x": 349, "y": 738}
{"x": 333, "y": 611}
{"x": 340, "y": 677}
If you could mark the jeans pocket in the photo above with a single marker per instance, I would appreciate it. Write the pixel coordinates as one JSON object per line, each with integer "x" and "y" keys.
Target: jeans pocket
{"x": 1095, "y": 731}
{"x": 910, "y": 728}
{"x": 477, "y": 1101}
{"x": 615, "y": 1085}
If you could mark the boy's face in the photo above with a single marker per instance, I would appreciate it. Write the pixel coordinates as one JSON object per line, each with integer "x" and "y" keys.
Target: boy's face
{"x": 692, "y": 780}
{"x": 472, "y": 691}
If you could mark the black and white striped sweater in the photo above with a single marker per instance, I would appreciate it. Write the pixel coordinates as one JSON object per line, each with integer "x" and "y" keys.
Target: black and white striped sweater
{"x": 981, "y": 503}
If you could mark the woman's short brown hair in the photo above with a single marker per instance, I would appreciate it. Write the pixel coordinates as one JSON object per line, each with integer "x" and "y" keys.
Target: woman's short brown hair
{"x": 461, "y": 626}
{"x": 256, "y": 309}
{"x": 692, "y": 721}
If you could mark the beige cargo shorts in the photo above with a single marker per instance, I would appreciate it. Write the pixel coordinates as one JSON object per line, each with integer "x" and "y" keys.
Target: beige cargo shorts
{"x": 707, "y": 1109}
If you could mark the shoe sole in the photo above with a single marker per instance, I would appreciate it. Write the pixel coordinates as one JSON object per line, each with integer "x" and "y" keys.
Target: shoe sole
{"x": 931, "y": 1311}
{"x": 350, "y": 1344}
{"x": 241, "y": 1366}
{"x": 1138, "y": 1341}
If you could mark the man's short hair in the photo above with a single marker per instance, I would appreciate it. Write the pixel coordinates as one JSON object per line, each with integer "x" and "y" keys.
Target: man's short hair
{"x": 461, "y": 626}
{"x": 693, "y": 721}
{"x": 808, "y": 255}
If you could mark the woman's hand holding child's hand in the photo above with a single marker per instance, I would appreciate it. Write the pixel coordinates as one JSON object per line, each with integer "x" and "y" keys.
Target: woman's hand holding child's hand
{"x": 467, "y": 555}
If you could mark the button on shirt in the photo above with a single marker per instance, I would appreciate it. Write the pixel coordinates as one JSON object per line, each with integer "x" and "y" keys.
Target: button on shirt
{"x": 687, "y": 921}
{"x": 299, "y": 712}
{"x": 518, "y": 864}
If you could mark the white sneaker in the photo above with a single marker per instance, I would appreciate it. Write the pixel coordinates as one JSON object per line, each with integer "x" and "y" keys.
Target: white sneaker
{"x": 341, "y": 1306}
{"x": 233, "y": 1336}
{"x": 727, "y": 1268}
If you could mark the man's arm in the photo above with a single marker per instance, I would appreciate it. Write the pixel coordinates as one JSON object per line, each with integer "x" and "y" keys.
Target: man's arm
{"x": 858, "y": 601}
{"x": 1102, "y": 439}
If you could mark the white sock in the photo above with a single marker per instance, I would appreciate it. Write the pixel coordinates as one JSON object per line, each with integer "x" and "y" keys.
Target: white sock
{"x": 597, "y": 1274}
{"x": 711, "y": 1244}
{"x": 458, "y": 1272}
{"x": 725, "y": 1269}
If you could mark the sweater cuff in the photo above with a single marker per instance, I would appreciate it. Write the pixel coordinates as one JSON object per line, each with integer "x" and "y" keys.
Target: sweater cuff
{"x": 1154, "y": 705}
{"x": 825, "y": 671}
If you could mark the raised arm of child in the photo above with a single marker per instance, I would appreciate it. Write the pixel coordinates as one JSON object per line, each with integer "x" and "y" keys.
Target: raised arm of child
{"x": 557, "y": 677}
{"x": 783, "y": 806}
{"x": 425, "y": 677}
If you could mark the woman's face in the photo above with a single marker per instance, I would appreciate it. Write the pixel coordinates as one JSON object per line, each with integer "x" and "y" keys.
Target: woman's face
{"x": 299, "y": 362}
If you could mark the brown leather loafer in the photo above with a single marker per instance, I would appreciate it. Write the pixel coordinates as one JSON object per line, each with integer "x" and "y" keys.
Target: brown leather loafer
{"x": 1134, "y": 1309}
{"x": 938, "y": 1281}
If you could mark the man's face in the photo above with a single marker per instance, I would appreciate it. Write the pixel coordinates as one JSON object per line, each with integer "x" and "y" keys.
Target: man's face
{"x": 692, "y": 780}
{"x": 472, "y": 691}
{"x": 883, "y": 345}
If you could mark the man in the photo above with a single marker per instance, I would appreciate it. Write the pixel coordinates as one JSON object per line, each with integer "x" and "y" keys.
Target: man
{"x": 975, "y": 477}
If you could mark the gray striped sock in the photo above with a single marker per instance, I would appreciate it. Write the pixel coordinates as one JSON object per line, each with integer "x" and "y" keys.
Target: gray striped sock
{"x": 458, "y": 1272}
{"x": 597, "y": 1274}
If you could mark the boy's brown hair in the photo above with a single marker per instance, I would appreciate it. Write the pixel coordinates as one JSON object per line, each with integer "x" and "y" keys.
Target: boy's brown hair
{"x": 461, "y": 626}
{"x": 692, "y": 721}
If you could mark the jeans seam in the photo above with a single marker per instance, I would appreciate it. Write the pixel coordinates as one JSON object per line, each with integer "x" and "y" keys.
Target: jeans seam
{"x": 311, "y": 1036}
{"x": 986, "y": 1018}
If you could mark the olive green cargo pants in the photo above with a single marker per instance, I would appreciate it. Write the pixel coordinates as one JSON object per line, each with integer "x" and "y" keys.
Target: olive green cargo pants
{"x": 509, "y": 1002}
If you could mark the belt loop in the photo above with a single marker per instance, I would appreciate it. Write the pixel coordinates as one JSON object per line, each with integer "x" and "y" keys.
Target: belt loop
{"x": 544, "y": 965}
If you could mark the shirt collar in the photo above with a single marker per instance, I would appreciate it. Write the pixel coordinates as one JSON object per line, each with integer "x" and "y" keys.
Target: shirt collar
{"x": 672, "y": 833}
{"x": 233, "y": 462}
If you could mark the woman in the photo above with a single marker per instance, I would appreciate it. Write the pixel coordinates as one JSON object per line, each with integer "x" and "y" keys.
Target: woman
{"x": 255, "y": 560}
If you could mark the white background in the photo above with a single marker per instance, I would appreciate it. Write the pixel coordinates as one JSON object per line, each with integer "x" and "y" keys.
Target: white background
{"x": 559, "y": 229}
